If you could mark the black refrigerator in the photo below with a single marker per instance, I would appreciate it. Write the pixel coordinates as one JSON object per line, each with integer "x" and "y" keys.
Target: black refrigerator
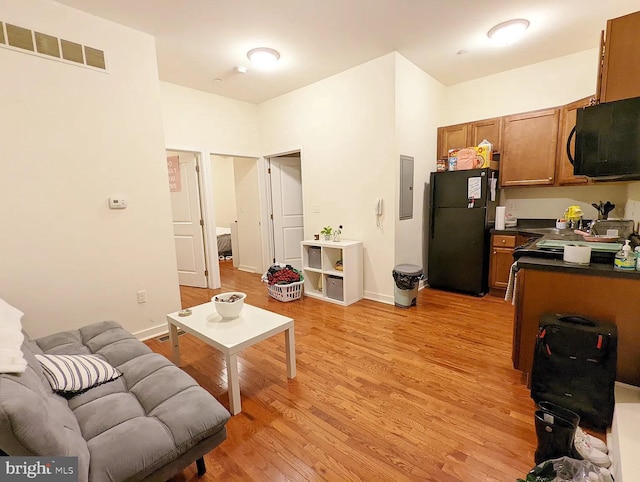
{"x": 462, "y": 209}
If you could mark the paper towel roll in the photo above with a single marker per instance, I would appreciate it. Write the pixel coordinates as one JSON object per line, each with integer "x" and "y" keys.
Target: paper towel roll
{"x": 500, "y": 213}
{"x": 577, "y": 254}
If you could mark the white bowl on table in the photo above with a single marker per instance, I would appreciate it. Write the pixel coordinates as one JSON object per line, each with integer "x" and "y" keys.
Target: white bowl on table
{"x": 229, "y": 305}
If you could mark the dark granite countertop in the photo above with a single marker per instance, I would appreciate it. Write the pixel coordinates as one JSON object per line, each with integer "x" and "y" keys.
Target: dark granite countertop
{"x": 540, "y": 227}
{"x": 545, "y": 229}
{"x": 592, "y": 269}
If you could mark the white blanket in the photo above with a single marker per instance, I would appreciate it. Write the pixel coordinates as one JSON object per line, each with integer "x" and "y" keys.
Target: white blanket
{"x": 11, "y": 356}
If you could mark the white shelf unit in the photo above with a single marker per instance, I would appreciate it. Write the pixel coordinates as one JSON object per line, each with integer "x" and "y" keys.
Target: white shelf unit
{"x": 317, "y": 280}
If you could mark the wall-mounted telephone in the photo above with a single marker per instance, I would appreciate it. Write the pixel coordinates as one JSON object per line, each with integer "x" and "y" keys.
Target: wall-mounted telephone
{"x": 378, "y": 207}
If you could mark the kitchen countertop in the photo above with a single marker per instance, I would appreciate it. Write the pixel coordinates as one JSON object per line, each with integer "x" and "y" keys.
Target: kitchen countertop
{"x": 592, "y": 269}
{"x": 545, "y": 229}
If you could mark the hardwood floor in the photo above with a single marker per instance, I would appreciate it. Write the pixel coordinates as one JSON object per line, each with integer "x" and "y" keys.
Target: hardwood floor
{"x": 381, "y": 393}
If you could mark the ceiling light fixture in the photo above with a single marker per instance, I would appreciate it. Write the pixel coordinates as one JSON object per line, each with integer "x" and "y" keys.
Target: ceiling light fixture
{"x": 263, "y": 57}
{"x": 508, "y": 32}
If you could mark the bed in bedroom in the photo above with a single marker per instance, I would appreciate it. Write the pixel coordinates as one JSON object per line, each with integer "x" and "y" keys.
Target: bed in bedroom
{"x": 224, "y": 242}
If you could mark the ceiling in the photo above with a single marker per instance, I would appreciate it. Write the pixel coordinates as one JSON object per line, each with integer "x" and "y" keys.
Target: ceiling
{"x": 200, "y": 42}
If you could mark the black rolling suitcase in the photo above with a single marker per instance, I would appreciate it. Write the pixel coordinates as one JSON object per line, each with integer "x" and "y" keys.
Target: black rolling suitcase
{"x": 574, "y": 366}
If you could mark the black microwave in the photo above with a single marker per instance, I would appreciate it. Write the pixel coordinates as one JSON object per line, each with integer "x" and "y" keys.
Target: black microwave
{"x": 608, "y": 140}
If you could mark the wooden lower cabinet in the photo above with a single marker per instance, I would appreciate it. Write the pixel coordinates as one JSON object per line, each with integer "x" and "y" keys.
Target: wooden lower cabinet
{"x": 501, "y": 260}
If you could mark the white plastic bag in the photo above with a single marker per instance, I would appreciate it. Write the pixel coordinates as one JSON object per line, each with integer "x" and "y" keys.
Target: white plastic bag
{"x": 566, "y": 469}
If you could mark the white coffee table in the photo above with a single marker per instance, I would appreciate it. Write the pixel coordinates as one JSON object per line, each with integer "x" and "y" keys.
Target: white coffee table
{"x": 230, "y": 336}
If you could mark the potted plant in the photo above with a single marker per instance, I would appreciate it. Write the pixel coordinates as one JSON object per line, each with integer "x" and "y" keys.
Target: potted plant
{"x": 326, "y": 232}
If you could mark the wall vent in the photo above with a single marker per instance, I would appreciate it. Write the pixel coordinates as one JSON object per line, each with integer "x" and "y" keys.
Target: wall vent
{"x": 72, "y": 51}
{"x": 19, "y": 37}
{"x": 48, "y": 46}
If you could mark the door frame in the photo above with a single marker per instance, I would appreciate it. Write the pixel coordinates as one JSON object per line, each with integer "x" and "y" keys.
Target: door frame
{"x": 268, "y": 247}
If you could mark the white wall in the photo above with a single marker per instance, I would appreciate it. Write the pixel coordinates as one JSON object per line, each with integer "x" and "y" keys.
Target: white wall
{"x": 418, "y": 99}
{"x": 224, "y": 190}
{"x": 344, "y": 127}
{"x": 70, "y": 138}
{"x": 546, "y": 84}
{"x": 632, "y": 209}
{"x": 551, "y": 202}
{"x": 209, "y": 122}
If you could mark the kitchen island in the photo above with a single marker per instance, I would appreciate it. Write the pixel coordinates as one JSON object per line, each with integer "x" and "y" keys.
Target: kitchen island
{"x": 595, "y": 291}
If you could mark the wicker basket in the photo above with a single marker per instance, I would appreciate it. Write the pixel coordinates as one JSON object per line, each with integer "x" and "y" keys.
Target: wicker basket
{"x": 290, "y": 292}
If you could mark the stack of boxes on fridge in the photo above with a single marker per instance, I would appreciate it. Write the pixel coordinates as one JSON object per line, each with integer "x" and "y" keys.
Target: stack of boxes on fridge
{"x": 476, "y": 157}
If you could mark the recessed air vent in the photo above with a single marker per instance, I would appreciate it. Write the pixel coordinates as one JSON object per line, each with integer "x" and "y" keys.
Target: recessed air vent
{"x": 72, "y": 51}
{"x": 94, "y": 57}
{"x": 19, "y": 37}
{"x": 49, "y": 46}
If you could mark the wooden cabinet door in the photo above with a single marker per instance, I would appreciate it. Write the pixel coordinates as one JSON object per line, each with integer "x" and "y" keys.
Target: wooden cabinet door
{"x": 529, "y": 148}
{"x": 489, "y": 129}
{"x": 500, "y": 261}
{"x": 452, "y": 137}
{"x": 621, "y": 63}
{"x": 500, "y": 267}
{"x": 567, "y": 123}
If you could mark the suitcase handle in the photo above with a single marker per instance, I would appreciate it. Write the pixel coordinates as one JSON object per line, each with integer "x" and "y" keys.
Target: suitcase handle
{"x": 577, "y": 320}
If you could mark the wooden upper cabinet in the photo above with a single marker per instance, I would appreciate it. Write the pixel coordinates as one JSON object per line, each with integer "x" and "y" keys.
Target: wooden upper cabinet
{"x": 469, "y": 134}
{"x": 529, "y": 148}
{"x": 620, "y": 74}
{"x": 452, "y": 137}
{"x": 489, "y": 129}
{"x": 567, "y": 123}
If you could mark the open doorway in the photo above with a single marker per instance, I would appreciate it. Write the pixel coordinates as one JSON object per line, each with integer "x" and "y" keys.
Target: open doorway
{"x": 286, "y": 210}
{"x": 236, "y": 199}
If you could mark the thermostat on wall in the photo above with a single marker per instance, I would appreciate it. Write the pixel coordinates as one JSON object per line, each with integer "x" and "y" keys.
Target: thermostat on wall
{"x": 117, "y": 203}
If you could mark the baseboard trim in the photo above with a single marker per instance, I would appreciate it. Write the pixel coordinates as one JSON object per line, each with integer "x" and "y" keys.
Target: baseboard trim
{"x": 248, "y": 269}
{"x": 389, "y": 300}
{"x": 151, "y": 332}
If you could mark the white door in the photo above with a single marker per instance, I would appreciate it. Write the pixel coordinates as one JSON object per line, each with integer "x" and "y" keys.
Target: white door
{"x": 187, "y": 220}
{"x": 286, "y": 204}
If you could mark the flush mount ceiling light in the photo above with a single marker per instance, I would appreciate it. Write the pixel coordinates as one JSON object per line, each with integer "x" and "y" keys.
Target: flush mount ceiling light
{"x": 263, "y": 57}
{"x": 508, "y": 32}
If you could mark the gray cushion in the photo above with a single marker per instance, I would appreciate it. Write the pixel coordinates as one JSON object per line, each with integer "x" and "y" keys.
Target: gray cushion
{"x": 126, "y": 429}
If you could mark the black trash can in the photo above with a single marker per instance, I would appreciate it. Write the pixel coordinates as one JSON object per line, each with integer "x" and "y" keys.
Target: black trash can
{"x": 407, "y": 277}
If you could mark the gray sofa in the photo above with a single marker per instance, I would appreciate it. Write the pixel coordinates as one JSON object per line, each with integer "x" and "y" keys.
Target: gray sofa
{"x": 148, "y": 424}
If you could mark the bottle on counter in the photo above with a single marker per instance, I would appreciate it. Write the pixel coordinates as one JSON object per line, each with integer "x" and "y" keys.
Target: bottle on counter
{"x": 637, "y": 258}
{"x": 625, "y": 258}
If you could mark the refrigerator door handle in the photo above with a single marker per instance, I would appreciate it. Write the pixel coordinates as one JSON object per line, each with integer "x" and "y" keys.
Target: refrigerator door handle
{"x": 431, "y": 201}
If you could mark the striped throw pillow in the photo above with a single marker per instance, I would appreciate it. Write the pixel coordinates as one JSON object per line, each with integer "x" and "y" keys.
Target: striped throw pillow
{"x": 72, "y": 374}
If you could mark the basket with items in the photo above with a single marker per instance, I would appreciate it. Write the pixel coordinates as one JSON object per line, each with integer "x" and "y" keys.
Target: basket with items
{"x": 284, "y": 282}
